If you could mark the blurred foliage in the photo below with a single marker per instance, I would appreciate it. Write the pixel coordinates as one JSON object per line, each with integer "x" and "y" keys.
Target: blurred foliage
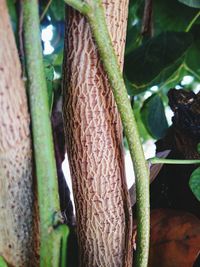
{"x": 2, "y": 262}
{"x": 156, "y": 60}
{"x": 161, "y": 60}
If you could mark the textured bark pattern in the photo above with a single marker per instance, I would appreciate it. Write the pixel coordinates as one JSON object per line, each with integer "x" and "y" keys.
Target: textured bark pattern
{"x": 94, "y": 137}
{"x": 16, "y": 197}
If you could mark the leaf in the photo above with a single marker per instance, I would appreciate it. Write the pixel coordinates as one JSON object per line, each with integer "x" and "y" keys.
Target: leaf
{"x": 156, "y": 60}
{"x": 191, "y": 3}
{"x": 171, "y": 15}
{"x": 175, "y": 239}
{"x": 153, "y": 116}
{"x": 2, "y": 262}
{"x": 192, "y": 56}
{"x": 194, "y": 183}
{"x": 49, "y": 73}
{"x": 133, "y": 37}
{"x": 57, "y": 8}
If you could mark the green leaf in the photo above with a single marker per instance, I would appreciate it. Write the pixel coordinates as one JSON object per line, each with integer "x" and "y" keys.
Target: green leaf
{"x": 198, "y": 148}
{"x": 57, "y": 8}
{"x": 194, "y": 183}
{"x": 191, "y": 3}
{"x": 192, "y": 56}
{"x": 49, "y": 73}
{"x": 153, "y": 116}
{"x": 2, "y": 262}
{"x": 171, "y": 15}
{"x": 134, "y": 37}
{"x": 156, "y": 60}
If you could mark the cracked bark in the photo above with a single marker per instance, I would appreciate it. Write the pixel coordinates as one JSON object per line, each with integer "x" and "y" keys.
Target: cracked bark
{"x": 16, "y": 191}
{"x": 94, "y": 143}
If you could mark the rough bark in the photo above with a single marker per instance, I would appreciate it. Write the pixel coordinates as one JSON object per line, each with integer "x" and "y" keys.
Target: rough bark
{"x": 16, "y": 192}
{"x": 94, "y": 143}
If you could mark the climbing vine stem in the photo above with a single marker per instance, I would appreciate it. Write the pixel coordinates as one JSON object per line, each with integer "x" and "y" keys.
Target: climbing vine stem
{"x": 94, "y": 12}
{"x": 173, "y": 161}
{"x": 50, "y": 238}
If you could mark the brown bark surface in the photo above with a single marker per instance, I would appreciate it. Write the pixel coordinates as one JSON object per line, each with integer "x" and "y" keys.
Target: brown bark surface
{"x": 16, "y": 197}
{"x": 94, "y": 143}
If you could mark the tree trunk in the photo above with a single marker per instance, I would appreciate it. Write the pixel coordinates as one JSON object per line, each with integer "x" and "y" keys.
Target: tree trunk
{"x": 16, "y": 192}
{"x": 94, "y": 143}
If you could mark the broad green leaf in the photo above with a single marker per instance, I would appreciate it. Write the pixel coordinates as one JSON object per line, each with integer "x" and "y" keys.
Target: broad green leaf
{"x": 2, "y": 262}
{"x": 195, "y": 183}
{"x": 57, "y": 8}
{"x": 153, "y": 116}
{"x": 191, "y": 3}
{"x": 192, "y": 60}
{"x": 171, "y": 15}
{"x": 155, "y": 61}
{"x": 192, "y": 56}
{"x": 134, "y": 37}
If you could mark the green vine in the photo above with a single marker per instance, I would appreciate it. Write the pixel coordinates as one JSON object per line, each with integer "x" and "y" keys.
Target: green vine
{"x": 173, "y": 161}
{"x": 51, "y": 237}
{"x": 94, "y": 12}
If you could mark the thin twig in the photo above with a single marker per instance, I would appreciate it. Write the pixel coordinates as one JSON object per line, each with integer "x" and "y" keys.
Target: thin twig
{"x": 192, "y": 22}
{"x": 173, "y": 161}
{"x": 45, "y": 10}
{"x": 147, "y": 22}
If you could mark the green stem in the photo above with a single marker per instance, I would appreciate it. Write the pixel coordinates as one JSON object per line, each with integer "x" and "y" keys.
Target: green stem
{"x": 102, "y": 38}
{"x": 79, "y": 5}
{"x": 173, "y": 161}
{"x": 192, "y": 22}
{"x": 42, "y": 138}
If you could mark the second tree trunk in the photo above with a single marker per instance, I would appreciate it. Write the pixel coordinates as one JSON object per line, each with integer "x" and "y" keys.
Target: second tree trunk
{"x": 94, "y": 143}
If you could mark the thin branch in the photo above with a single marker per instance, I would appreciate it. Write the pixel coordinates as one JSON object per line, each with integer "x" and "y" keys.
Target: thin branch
{"x": 102, "y": 38}
{"x": 192, "y": 22}
{"x": 173, "y": 161}
{"x": 147, "y": 22}
{"x": 45, "y": 10}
